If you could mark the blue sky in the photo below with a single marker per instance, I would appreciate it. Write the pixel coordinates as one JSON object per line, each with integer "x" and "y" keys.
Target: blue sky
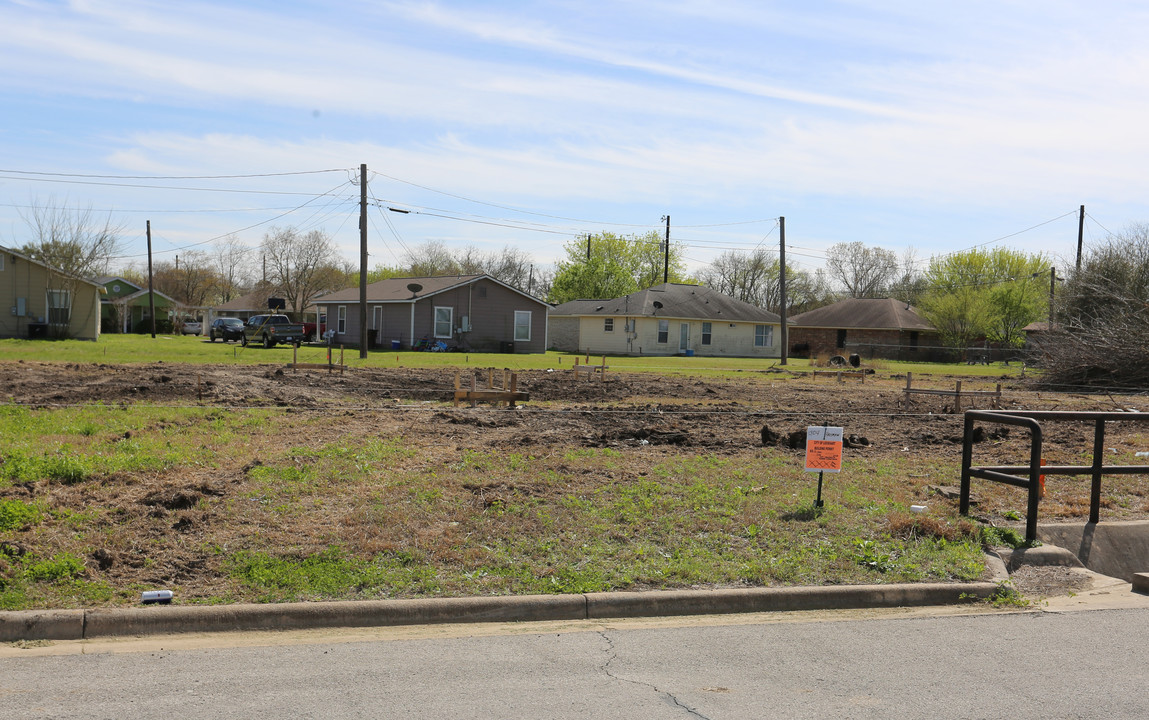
{"x": 925, "y": 125}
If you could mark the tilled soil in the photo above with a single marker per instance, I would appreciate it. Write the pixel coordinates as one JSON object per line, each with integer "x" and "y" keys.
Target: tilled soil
{"x": 667, "y": 414}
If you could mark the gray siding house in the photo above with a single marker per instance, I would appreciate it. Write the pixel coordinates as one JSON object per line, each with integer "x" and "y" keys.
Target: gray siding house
{"x": 470, "y": 312}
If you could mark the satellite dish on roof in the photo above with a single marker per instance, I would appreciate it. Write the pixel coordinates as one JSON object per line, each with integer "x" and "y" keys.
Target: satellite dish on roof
{"x": 657, "y": 305}
{"x": 414, "y": 288}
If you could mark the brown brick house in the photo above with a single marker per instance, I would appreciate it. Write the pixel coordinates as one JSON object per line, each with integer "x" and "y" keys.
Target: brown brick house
{"x": 871, "y": 327}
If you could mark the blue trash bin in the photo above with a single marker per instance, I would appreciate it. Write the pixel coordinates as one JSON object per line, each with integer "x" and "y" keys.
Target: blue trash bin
{"x": 395, "y": 344}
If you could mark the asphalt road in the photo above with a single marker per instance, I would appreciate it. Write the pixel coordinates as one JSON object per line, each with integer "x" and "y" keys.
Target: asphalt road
{"x": 827, "y": 665}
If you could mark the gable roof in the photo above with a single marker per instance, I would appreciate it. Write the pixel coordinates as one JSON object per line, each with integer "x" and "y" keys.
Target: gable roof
{"x": 394, "y": 290}
{"x": 863, "y": 313}
{"x": 105, "y": 279}
{"x": 34, "y": 261}
{"x": 678, "y": 300}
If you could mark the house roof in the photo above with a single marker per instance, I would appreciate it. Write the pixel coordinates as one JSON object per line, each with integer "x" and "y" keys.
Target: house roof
{"x": 105, "y": 279}
{"x": 395, "y": 290}
{"x": 124, "y": 299}
{"x": 863, "y": 313}
{"x": 34, "y": 261}
{"x": 255, "y": 301}
{"x": 677, "y": 300}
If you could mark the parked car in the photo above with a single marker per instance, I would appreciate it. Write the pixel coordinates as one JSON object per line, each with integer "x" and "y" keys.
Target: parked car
{"x": 192, "y": 327}
{"x": 226, "y": 329}
{"x": 272, "y": 329}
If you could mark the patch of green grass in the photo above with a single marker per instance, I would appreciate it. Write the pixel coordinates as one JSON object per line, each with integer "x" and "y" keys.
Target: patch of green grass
{"x": 17, "y": 514}
{"x": 63, "y": 566}
{"x": 330, "y": 573}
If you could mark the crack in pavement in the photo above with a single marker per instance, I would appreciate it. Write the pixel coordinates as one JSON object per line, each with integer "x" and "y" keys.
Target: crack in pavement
{"x": 611, "y": 655}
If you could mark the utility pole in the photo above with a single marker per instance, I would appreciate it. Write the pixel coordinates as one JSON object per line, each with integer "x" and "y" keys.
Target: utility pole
{"x": 1080, "y": 235}
{"x": 588, "y": 247}
{"x": 151, "y": 295}
{"x": 531, "y": 280}
{"x": 666, "y": 254}
{"x": 363, "y": 261}
{"x": 1052, "y": 280}
{"x": 782, "y": 284}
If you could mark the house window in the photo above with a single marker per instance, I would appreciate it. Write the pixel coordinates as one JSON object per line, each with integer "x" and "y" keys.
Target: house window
{"x": 341, "y": 322}
{"x": 763, "y": 335}
{"x": 841, "y": 339}
{"x": 913, "y": 340}
{"x": 482, "y": 291}
{"x": 705, "y": 333}
{"x": 663, "y": 331}
{"x": 444, "y": 316}
{"x": 1, "y": 263}
{"x": 608, "y": 324}
{"x": 522, "y": 325}
{"x": 59, "y": 307}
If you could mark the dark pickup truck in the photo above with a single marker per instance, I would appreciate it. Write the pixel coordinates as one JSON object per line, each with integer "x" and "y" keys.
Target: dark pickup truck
{"x": 271, "y": 330}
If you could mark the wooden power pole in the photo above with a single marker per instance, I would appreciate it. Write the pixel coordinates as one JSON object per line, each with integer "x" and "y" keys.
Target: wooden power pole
{"x": 363, "y": 261}
{"x": 151, "y": 295}
{"x": 782, "y": 284}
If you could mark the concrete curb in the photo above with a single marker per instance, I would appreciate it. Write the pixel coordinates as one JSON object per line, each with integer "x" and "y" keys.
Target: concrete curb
{"x": 167, "y": 619}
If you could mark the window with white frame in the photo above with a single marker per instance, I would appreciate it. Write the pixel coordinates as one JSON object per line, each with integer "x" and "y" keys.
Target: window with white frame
{"x": 341, "y": 322}
{"x": 522, "y": 325}
{"x": 1, "y": 262}
{"x": 444, "y": 317}
{"x": 706, "y": 327}
{"x": 763, "y": 335}
{"x": 608, "y": 324}
{"x": 59, "y": 307}
{"x": 663, "y": 331}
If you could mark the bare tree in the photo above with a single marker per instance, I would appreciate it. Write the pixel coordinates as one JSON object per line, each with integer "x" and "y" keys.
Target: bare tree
{"x": 301, "y": 266}
{"x": 431, "y": 259}
{"x": 231, "y": 260}
{"x": 190, "y": 280}
{"x": 862, "y": 271}
{"x": 1101, "y": 334}
{"x": 73, "y": 240}
{"x": 74, "y": 243}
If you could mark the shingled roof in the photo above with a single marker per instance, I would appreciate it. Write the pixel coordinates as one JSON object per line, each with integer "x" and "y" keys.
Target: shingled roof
{"x": 696, "y": 302}
{"x": 863, "y": 313}
{"x": 395, "y": 290}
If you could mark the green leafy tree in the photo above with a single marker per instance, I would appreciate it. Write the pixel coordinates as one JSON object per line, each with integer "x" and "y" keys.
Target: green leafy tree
{"x": 984, "y": 293}
{"x": 617, "y": 265}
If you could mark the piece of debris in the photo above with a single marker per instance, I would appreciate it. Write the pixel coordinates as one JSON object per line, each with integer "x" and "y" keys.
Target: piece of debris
{"x": 769, "y": 437}
{"x": 163, "y": 597}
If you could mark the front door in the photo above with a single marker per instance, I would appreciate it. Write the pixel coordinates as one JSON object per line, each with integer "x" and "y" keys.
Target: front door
{"x": 683, "y": 337}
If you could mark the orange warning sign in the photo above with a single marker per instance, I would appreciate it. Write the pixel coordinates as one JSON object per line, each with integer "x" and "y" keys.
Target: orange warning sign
{"x": 823, "y": 449}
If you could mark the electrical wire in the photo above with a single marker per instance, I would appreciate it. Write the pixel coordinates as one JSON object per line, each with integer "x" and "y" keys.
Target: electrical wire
{"x": 234, "y": 232}
{"x": 172, "y": 177}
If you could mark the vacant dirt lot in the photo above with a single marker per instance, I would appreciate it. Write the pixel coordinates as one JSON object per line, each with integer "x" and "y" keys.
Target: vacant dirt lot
{"x": 664, "y": 415}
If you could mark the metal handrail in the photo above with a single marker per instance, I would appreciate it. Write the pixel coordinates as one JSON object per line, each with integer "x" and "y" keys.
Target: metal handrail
{"x": 1009, "y": 474}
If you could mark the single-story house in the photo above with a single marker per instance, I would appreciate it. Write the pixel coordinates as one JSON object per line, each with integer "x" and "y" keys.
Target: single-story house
{"x": 44, "y": 301}
{"x": 256, "y": 302}
{"x": 667, "y": 319}
{"x": 126, "y": 307}
{"x": 875, "y": 327}
{"x": 468, "y": 312}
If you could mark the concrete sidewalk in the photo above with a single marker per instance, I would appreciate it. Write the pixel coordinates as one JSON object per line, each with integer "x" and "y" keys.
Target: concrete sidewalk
{"x": 172, "y": 619}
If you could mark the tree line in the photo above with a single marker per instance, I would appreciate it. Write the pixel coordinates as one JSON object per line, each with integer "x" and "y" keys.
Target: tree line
{"x": 968, "y": 296}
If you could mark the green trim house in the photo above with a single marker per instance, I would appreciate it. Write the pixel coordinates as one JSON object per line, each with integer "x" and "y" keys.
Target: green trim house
{"x": 125, "y": 308}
